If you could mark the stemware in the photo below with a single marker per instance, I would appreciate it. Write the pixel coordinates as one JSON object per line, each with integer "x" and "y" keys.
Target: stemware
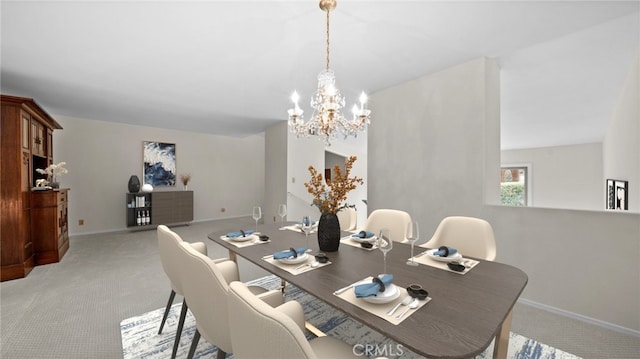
{"x": 385, "y": 244}
{"x": 282, "y": 211}
{"x": 306, "y": 228}
{"x": 257, "y": 214}
{"x": 412, "y": 237}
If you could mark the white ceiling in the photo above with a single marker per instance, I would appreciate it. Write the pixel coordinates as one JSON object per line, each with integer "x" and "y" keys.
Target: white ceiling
{"x": 229, "y": 67}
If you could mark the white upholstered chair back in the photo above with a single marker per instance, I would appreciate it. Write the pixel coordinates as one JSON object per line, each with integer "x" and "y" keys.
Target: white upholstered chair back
{"x": 470, "y": 236}
{"x": 348, "y": 218}
{"x": 168, "y": 243}
{"x": 395, "y": 220}
{"x": 260, "y": 331}
{"x": 205, "y": 290}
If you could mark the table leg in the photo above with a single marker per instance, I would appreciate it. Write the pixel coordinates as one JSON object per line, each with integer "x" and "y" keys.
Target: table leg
{"x": 282, "y": 284}
{"x": 232, "y": 256}
{"x": 501, "y": 344}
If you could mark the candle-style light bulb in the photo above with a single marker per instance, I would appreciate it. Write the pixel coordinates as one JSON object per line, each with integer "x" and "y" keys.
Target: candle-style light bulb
{"x": 363, "y": 99}
{"x": 295, "y": 97}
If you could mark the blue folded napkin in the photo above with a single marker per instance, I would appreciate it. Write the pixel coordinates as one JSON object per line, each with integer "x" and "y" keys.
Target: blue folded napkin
{"x": 363, "y": 234}
{"x": 445, "y": 251}
{"x": 287, "y": 253}
{"x": 373, "y": 288}
{"x": 239, "y": 233}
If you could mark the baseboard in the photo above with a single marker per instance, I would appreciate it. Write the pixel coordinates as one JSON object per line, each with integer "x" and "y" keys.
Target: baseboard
{"x": 129, "y": 229}
{"x": 582, "y": 318}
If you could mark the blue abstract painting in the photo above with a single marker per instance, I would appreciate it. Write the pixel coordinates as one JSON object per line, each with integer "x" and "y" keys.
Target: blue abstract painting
{"x": 159, "y": 163}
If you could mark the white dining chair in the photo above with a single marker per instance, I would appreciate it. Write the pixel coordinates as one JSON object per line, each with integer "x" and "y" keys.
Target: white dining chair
{"x": 470, "y": 236}
{"x": 261, "y": 331}
{"x": 394, "y": 220}
{"x": 168, "y": 242}
{"x": 347, "y": 218}
{"x": 205, "y": 285}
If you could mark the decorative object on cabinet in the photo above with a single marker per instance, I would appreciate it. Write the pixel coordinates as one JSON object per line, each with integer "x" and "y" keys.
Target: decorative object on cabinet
{"x": 159, "y": 163}
{"x": 617, "y": 195}
{"x": 134, "y": 184}
{"x": 53, "y": 171}
{"x": 148, "y": 210}
{"x": 26, "y": 144}
{"x": 147, "y": 188}
{"x": 185, "y": 178}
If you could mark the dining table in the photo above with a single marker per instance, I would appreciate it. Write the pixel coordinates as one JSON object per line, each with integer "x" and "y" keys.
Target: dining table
{"x": 465, "y": 311}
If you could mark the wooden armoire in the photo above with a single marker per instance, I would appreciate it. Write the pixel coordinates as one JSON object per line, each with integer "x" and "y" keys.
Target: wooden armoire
{"x": 26, "y": 144}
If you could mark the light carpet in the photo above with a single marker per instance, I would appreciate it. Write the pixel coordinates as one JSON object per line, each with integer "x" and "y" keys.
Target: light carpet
{"x": 140, "y": 338}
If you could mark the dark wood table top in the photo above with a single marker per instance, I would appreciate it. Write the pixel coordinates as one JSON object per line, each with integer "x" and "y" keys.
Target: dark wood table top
{"x": 460, "y": 321}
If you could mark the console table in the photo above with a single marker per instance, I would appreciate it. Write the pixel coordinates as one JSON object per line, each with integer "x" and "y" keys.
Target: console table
{"x": 162, "y": 207}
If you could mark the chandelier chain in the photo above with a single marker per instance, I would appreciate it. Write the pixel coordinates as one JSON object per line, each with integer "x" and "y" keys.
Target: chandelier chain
{"x": 328, "y": 10}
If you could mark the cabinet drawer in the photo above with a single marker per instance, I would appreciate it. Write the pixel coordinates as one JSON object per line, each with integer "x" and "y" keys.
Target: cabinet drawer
{"x": 62, "y": 197}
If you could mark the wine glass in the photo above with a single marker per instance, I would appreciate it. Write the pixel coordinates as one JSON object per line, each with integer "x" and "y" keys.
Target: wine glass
{"x": 385, "y": 244}
{"x": 282, "y": 211}
{"x": 412, "y": 236}
{"x": 257, "y": 214}
{"x": 306, "y": 227}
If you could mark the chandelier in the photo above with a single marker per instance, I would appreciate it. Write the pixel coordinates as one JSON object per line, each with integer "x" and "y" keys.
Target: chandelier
{"x": 327, "y": 102}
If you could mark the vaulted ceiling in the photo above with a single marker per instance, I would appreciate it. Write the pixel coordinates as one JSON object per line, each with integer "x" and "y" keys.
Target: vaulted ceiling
{"x": 229, "y": 67}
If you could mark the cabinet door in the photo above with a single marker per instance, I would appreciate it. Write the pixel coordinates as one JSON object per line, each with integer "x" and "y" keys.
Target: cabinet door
{"x": 49, "y": 144}
{"x": 37, "y": 138}
{"x": 26, "y": 125}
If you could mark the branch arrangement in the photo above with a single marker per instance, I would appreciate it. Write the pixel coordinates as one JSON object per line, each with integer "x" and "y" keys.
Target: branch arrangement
{"x": 329, "y": 197}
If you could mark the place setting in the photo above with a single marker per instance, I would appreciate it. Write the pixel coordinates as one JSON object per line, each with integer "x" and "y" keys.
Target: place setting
{"x": 445, "y": 258}
{"x": 379, "y": 295}
{"x": 245, "y": 238}
{"x": 364, "y": 239}
{"x": 305, "y": 226}
{"x": 297, "y": 260}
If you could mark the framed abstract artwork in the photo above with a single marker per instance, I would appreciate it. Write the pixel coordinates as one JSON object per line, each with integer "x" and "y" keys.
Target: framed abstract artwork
{"x": 617, "y": 195}
{"x": 159, "y": 163}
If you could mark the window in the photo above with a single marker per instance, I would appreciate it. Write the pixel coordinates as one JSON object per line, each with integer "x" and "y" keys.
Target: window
{"x": 514, "y": 186}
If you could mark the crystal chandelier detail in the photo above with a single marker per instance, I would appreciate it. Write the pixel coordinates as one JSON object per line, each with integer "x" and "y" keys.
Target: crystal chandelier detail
{"x": 327, "y": 120}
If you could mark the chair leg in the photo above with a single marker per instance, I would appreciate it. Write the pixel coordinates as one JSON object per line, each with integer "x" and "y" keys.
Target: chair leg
{"x": 166, "y": 311}
{"x": 183, "y": 315}
{"x": 194, "y": 344}
{"x": 221, "y": 354}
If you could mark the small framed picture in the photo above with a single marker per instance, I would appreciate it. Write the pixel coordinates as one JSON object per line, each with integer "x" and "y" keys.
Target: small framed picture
{"x": 617, "y": 195}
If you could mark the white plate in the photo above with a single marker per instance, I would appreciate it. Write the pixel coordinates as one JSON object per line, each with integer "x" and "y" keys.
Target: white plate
{"x": 391, "y": 293}
{"x": 241, "y": 238}
{"x": 451, "y": 258}
{"x": 361, "y": 240}
{"x": 299, "y": 259}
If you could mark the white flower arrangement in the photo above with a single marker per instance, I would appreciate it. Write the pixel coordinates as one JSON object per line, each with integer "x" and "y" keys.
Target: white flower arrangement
{"x": 54, "y": 170}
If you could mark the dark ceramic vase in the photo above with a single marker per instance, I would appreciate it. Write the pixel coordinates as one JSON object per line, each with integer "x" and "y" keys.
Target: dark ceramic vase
{"x": 329, "y": 232}
{"x": 134, "y": 184}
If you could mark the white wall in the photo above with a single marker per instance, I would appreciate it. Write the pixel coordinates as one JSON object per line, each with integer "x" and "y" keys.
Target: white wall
{"x": 435, "y": 140}
{"x": 275, "y": 171}
{"x": 567, "y": 177}
{"x": 303, "y": 152}
{"x": 101, "y": 156}
{"x": 428, "y": 145}
{"x": 621, "y": 146}
{"x": 356, "y": 147}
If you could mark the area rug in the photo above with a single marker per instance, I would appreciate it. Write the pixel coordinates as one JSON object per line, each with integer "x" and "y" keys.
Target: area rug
{"x": 140, "y": 338}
